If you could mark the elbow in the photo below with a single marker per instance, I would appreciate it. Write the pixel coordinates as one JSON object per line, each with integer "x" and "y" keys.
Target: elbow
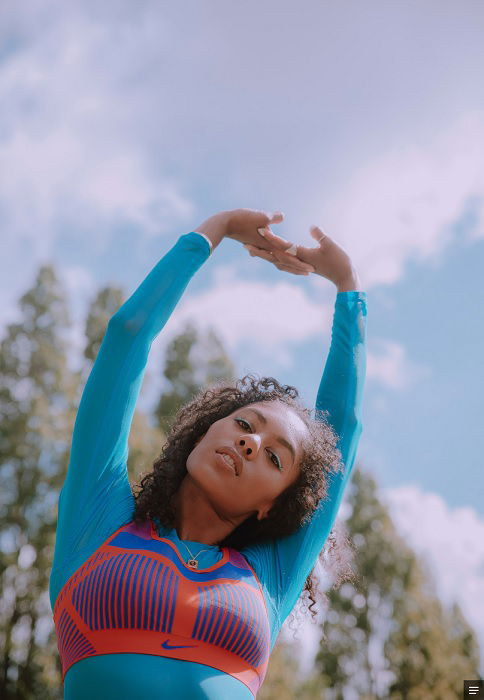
{"x": 126, "y": 324}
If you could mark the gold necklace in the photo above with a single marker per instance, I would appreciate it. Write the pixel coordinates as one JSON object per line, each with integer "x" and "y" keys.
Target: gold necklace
{"x": 193, "y": 562}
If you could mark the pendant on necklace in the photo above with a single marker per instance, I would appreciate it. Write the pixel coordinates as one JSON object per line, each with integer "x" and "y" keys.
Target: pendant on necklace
{"x": 192, "y": 563}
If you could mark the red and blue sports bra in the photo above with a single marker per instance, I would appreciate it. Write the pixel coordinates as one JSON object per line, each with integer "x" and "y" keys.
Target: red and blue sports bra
{"x": 135, "y": 594}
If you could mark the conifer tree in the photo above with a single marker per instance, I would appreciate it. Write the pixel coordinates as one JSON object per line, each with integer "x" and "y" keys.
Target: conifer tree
{"x": 386, "y": 634}
{"x": 36, "y": 402}
{"x": 194, "y": 360}
{"x": 430, "y": 650}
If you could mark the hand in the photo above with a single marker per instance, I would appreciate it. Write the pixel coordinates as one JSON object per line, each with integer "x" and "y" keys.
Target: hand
{"x": 242, "y": 225}
{"x": 327, "y": 259}
{"x": 252, "y": 228}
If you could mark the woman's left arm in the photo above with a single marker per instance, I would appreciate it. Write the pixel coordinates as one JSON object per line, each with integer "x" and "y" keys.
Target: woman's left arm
{"x": 340, "y": 393}
{"x": 285, "y": 563}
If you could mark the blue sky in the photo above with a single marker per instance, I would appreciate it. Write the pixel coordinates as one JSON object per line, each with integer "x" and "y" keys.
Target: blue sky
{"x": 125, "y": 125}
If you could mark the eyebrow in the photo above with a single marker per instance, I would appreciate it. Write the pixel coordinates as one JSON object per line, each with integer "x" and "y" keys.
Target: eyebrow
{"x": 281, "y": 440}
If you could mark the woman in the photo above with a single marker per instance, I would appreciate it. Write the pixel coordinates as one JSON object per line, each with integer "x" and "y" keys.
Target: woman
{"x": 182, "y": 590}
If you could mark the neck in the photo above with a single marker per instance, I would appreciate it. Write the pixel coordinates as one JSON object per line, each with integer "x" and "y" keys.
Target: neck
{"x": 196, "y": 519}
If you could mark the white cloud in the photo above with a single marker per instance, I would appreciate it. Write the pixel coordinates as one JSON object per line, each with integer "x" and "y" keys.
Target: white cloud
{"x": 268, "y": 316}
{"x": 390, "y": 366}
{"x": 69, "y": 157}
{"x": 450, "y": 541}
{"x": 404, "y": 204}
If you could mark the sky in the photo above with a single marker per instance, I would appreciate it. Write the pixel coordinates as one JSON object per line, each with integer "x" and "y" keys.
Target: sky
{"x": 125, "y": 125}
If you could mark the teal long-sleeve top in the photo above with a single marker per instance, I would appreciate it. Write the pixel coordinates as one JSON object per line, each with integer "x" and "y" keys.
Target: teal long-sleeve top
{"x": 96, "y": 498}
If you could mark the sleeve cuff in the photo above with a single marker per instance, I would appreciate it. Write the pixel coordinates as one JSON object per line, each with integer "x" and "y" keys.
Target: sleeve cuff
{"x": 351, "y": 296}
{"x": 210, "y": 244}
{"x": 354, "y": 300}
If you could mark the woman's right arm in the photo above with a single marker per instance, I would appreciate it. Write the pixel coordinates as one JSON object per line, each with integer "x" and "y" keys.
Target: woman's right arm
{"x": 96, "y": 497}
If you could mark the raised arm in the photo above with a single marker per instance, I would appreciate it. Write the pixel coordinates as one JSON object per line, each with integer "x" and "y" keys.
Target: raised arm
{"x": 96, "y": 496}
{"x": 340, "y": 393}
{"x": 285, "y": 563}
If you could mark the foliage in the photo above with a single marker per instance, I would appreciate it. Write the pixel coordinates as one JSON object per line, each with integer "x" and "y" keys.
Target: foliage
{"x": 194, "y": 360}
{"x": 37, "y": 392}
{"x": 387, "y": 634}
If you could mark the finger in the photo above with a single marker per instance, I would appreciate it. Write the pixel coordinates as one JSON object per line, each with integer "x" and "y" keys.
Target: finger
{"x": 276, "y": 217}
{"x": 281, "y": 257}
{"x": 290, "y": 265}
{"x": 276, "y": 241}
{"x": 317, "y": 234}
{"x": 292, "y": 261}
{"x": 293, "y": 270}
{"x": 260, "y": 252}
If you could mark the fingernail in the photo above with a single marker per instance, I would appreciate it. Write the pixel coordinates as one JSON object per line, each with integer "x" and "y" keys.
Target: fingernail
{"x": 262, "y": 231}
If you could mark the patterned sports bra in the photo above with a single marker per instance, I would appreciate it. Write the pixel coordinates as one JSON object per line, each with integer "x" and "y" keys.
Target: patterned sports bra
{"x": 135, "y": 594}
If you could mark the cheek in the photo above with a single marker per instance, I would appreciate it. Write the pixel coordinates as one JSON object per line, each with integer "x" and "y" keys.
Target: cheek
{"x": 194, "y": 460}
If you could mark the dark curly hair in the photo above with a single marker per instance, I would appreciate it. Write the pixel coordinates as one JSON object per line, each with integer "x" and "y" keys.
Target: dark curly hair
{"x": 292, "y": 508}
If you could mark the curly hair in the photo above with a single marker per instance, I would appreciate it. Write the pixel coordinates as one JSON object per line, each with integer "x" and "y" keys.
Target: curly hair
{"x": 291, "y": 509}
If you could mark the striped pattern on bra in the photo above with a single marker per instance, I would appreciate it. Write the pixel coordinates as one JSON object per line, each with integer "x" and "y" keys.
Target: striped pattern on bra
{"x": 135, "y": 594}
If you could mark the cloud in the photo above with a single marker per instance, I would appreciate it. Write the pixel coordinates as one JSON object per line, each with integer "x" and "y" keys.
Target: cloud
{"x": 450, "y": 541}
{"x": 69, "y": 157}
{"x": 390, "y": 366}
{"x": 406, "y": 204}
{"x": 269, "y": 317}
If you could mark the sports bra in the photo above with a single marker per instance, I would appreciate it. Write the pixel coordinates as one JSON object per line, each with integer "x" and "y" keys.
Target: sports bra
{"x": 135, "y": 594}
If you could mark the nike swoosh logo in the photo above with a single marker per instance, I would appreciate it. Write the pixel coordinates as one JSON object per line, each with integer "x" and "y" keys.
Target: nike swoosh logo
{"x": 167, "y": 645}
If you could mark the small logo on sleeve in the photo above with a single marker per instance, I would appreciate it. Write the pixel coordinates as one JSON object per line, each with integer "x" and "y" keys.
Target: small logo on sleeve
{"x": 166, "y": 645}
{"x": 473, "y": 689}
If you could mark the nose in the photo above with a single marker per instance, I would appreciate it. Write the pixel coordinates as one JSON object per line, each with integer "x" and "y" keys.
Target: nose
{"x": 249, "y": 445}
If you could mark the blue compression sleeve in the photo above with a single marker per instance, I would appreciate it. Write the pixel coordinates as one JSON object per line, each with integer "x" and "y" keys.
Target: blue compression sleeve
{"x": 284, "y": 564}
{"x": 96, "y": 498}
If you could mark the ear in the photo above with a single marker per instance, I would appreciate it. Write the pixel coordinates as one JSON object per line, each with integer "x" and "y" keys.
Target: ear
{"x": 264, "y": 510}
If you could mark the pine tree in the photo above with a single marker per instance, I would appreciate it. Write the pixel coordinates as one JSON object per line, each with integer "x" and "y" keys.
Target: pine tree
{"x": 36, "y": 402}
{"x": 193, "y": 361}
{"x": 386, "y": 634}
{"x": 430, "y": 650}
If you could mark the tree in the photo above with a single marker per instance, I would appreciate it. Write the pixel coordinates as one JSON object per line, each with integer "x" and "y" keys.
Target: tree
{"x": 36, "y": 402}
{"x": 194, "y": 360}
{"x": 386, "y": 634}
{"x": 430, "y": 650}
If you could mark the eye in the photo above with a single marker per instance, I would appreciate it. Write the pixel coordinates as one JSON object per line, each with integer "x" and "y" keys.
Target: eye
{"x": 272, "y": 456}
{"x": 241, "y": 420}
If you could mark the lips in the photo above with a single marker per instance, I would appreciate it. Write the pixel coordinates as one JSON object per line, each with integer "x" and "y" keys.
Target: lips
{"x": 235, "y": 456}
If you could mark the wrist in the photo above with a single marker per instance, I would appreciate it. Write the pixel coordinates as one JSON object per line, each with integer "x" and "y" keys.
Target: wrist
{"x": 215, "y": 228}
{"x": 349, "y": 283}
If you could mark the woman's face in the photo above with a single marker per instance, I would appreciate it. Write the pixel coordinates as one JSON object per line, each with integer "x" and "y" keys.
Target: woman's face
{"x": 266, "y": 441}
